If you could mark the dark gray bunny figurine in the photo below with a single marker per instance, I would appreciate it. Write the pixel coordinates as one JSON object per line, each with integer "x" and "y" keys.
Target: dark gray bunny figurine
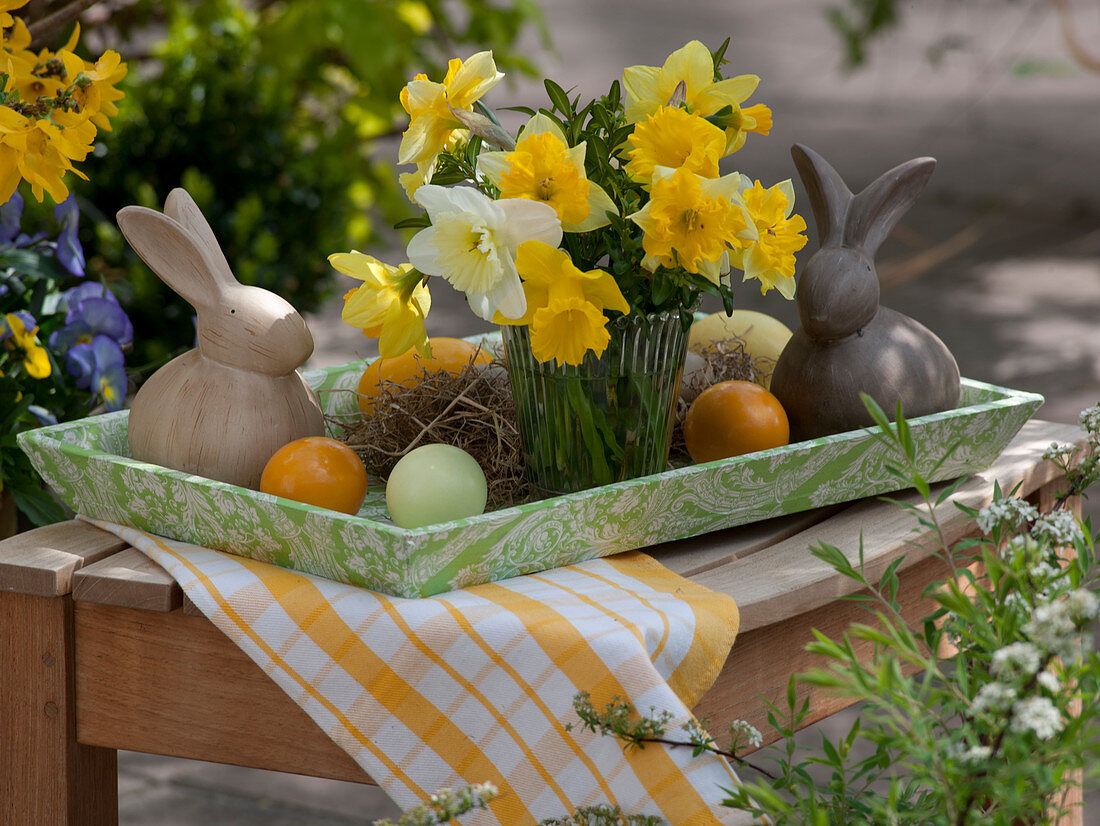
{"x": 847, "y": 343}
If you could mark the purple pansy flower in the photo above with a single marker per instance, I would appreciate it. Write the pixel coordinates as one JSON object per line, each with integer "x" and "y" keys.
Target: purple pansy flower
{"x": 92, "y": 310}
{"x": 69, "y": 251}
{"x": 99, "y": 367}
{"x": 44, "y": 416}
{"x": 11, "y": 213}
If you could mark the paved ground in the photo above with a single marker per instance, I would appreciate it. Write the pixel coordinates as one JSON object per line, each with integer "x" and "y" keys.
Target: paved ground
{"x": 1001, "y": 257}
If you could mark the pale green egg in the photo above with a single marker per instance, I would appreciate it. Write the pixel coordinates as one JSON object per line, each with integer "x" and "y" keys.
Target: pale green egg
{"x": 435, "y": 483}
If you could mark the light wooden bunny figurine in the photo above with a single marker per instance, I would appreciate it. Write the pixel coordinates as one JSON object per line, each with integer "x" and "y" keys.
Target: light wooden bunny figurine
{"x": 848, "y": 343}
{"x": 222, "y": 409}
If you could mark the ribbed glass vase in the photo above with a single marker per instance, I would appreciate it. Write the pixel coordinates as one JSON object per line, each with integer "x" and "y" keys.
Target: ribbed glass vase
{"x": 607, "y": 419}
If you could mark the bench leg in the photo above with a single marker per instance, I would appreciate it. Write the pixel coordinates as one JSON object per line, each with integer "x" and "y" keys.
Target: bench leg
{"x": 47, "y": 778}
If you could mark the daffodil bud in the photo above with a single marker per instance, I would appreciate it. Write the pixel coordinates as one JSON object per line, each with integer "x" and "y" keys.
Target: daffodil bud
{"x": 484, "y": 128}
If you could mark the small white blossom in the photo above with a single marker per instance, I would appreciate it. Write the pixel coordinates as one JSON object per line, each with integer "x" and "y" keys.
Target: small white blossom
{"x": 1006, "y": 513}
{"x": 483, "y": 790}
{"x": 1052, "y": 629}
{"x": 1036, "y": 714}
{"x": 1049, "y": 681}
{"x": 1017, "y": 602}
{"x": 976, "y": 754}
{"x": 1021, "y": 544}
{"x": 752, "y": 736}
{"x": 1045, "y": 572}
{"x": 1083, "y": 603}
{"x": 1020, "y": 659}
{"x": 993, "y": 698}
{"x": 1058, "y": 527}
{"x": 1090, "y": 418}
{"x": 1057, "y": 451}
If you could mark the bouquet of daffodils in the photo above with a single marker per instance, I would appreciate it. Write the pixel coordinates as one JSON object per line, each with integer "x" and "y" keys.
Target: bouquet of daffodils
{"x": 592, "y": 212}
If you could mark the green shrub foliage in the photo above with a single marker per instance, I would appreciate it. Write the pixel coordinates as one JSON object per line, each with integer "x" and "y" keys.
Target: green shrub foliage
{"x": 271, "y": 119}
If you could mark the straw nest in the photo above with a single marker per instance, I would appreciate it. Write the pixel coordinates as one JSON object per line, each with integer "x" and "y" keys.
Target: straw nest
{"x": 473, "y": 409}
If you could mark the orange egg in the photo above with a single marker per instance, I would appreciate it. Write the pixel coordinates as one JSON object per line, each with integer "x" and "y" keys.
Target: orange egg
{"x": 734, "y": 417}
{"x": 448, "y": 354}
{"x": 318, "y": 471}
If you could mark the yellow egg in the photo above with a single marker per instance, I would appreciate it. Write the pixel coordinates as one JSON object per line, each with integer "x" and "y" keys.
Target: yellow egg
{"x": 448, "y": 354}
{"x": 764, "y": 337}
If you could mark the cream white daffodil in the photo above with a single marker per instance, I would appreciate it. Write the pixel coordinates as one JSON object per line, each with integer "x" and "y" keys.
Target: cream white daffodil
{"x": 543, "y": 167}
{"x": 472, "y": 244}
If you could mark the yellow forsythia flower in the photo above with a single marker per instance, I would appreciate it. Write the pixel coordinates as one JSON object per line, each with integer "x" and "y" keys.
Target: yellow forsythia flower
{"x": 50, "y": 108}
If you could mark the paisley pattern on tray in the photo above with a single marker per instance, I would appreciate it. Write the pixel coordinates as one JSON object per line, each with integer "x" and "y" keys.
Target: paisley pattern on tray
{"x": 87, "y": 463}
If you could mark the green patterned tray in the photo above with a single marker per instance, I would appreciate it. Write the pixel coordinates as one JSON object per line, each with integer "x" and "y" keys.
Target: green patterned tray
{"x": 87, "y": 464}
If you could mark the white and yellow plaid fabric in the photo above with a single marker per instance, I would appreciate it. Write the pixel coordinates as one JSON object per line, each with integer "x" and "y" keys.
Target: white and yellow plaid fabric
{"x": 477, "y": 685}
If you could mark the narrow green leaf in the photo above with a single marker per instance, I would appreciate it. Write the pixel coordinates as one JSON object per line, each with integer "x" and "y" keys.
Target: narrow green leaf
{"x": 558, "y": 97}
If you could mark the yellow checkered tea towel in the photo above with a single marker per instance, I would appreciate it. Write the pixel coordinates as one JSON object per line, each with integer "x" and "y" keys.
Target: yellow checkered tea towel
{"x": 477, "y": 685}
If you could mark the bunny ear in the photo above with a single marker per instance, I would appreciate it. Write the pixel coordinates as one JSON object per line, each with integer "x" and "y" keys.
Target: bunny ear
{"x": 876, "y": 209}
{"x": 182, "y": 207}
{"x": 173, "y": 253}
{"x": 829, "y": 196}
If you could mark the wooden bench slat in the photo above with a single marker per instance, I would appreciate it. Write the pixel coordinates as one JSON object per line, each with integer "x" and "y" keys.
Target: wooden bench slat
{"x": 128, "y": 579}
{"x": 692, "y": 556}
{"x": 34, "y": 563}
{"x": 175, "y": 685}
{"x": 788, "y": 580}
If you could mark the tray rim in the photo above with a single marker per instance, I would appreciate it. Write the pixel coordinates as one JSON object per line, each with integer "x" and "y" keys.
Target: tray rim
{"x": 1008, "y": 397}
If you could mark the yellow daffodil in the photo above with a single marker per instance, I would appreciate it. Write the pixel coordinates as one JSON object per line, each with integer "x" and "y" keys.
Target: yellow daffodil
{"x": 690, "y": 222}
{"x": 412, "y": 181}
{"x": 650, "y": 87}
{"x": 565, "y": 307}
{"x": 24, "y": 342}
{"x": 432, "y": 125}
{"x": 674, "y": 138}
{"x": 390, "y": 305}
{"x": 771, "y": 237}
{"x": 543, "y": 167}
{"x": 472, "y": 243}
{"x": 540, "y": 170}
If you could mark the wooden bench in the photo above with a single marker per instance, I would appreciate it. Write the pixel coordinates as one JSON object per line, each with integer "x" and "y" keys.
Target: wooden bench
{"x": 101, "y": 651}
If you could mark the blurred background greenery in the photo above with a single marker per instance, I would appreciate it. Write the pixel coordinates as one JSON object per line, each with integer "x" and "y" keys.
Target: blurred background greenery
{"x": 270, "y": 115}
